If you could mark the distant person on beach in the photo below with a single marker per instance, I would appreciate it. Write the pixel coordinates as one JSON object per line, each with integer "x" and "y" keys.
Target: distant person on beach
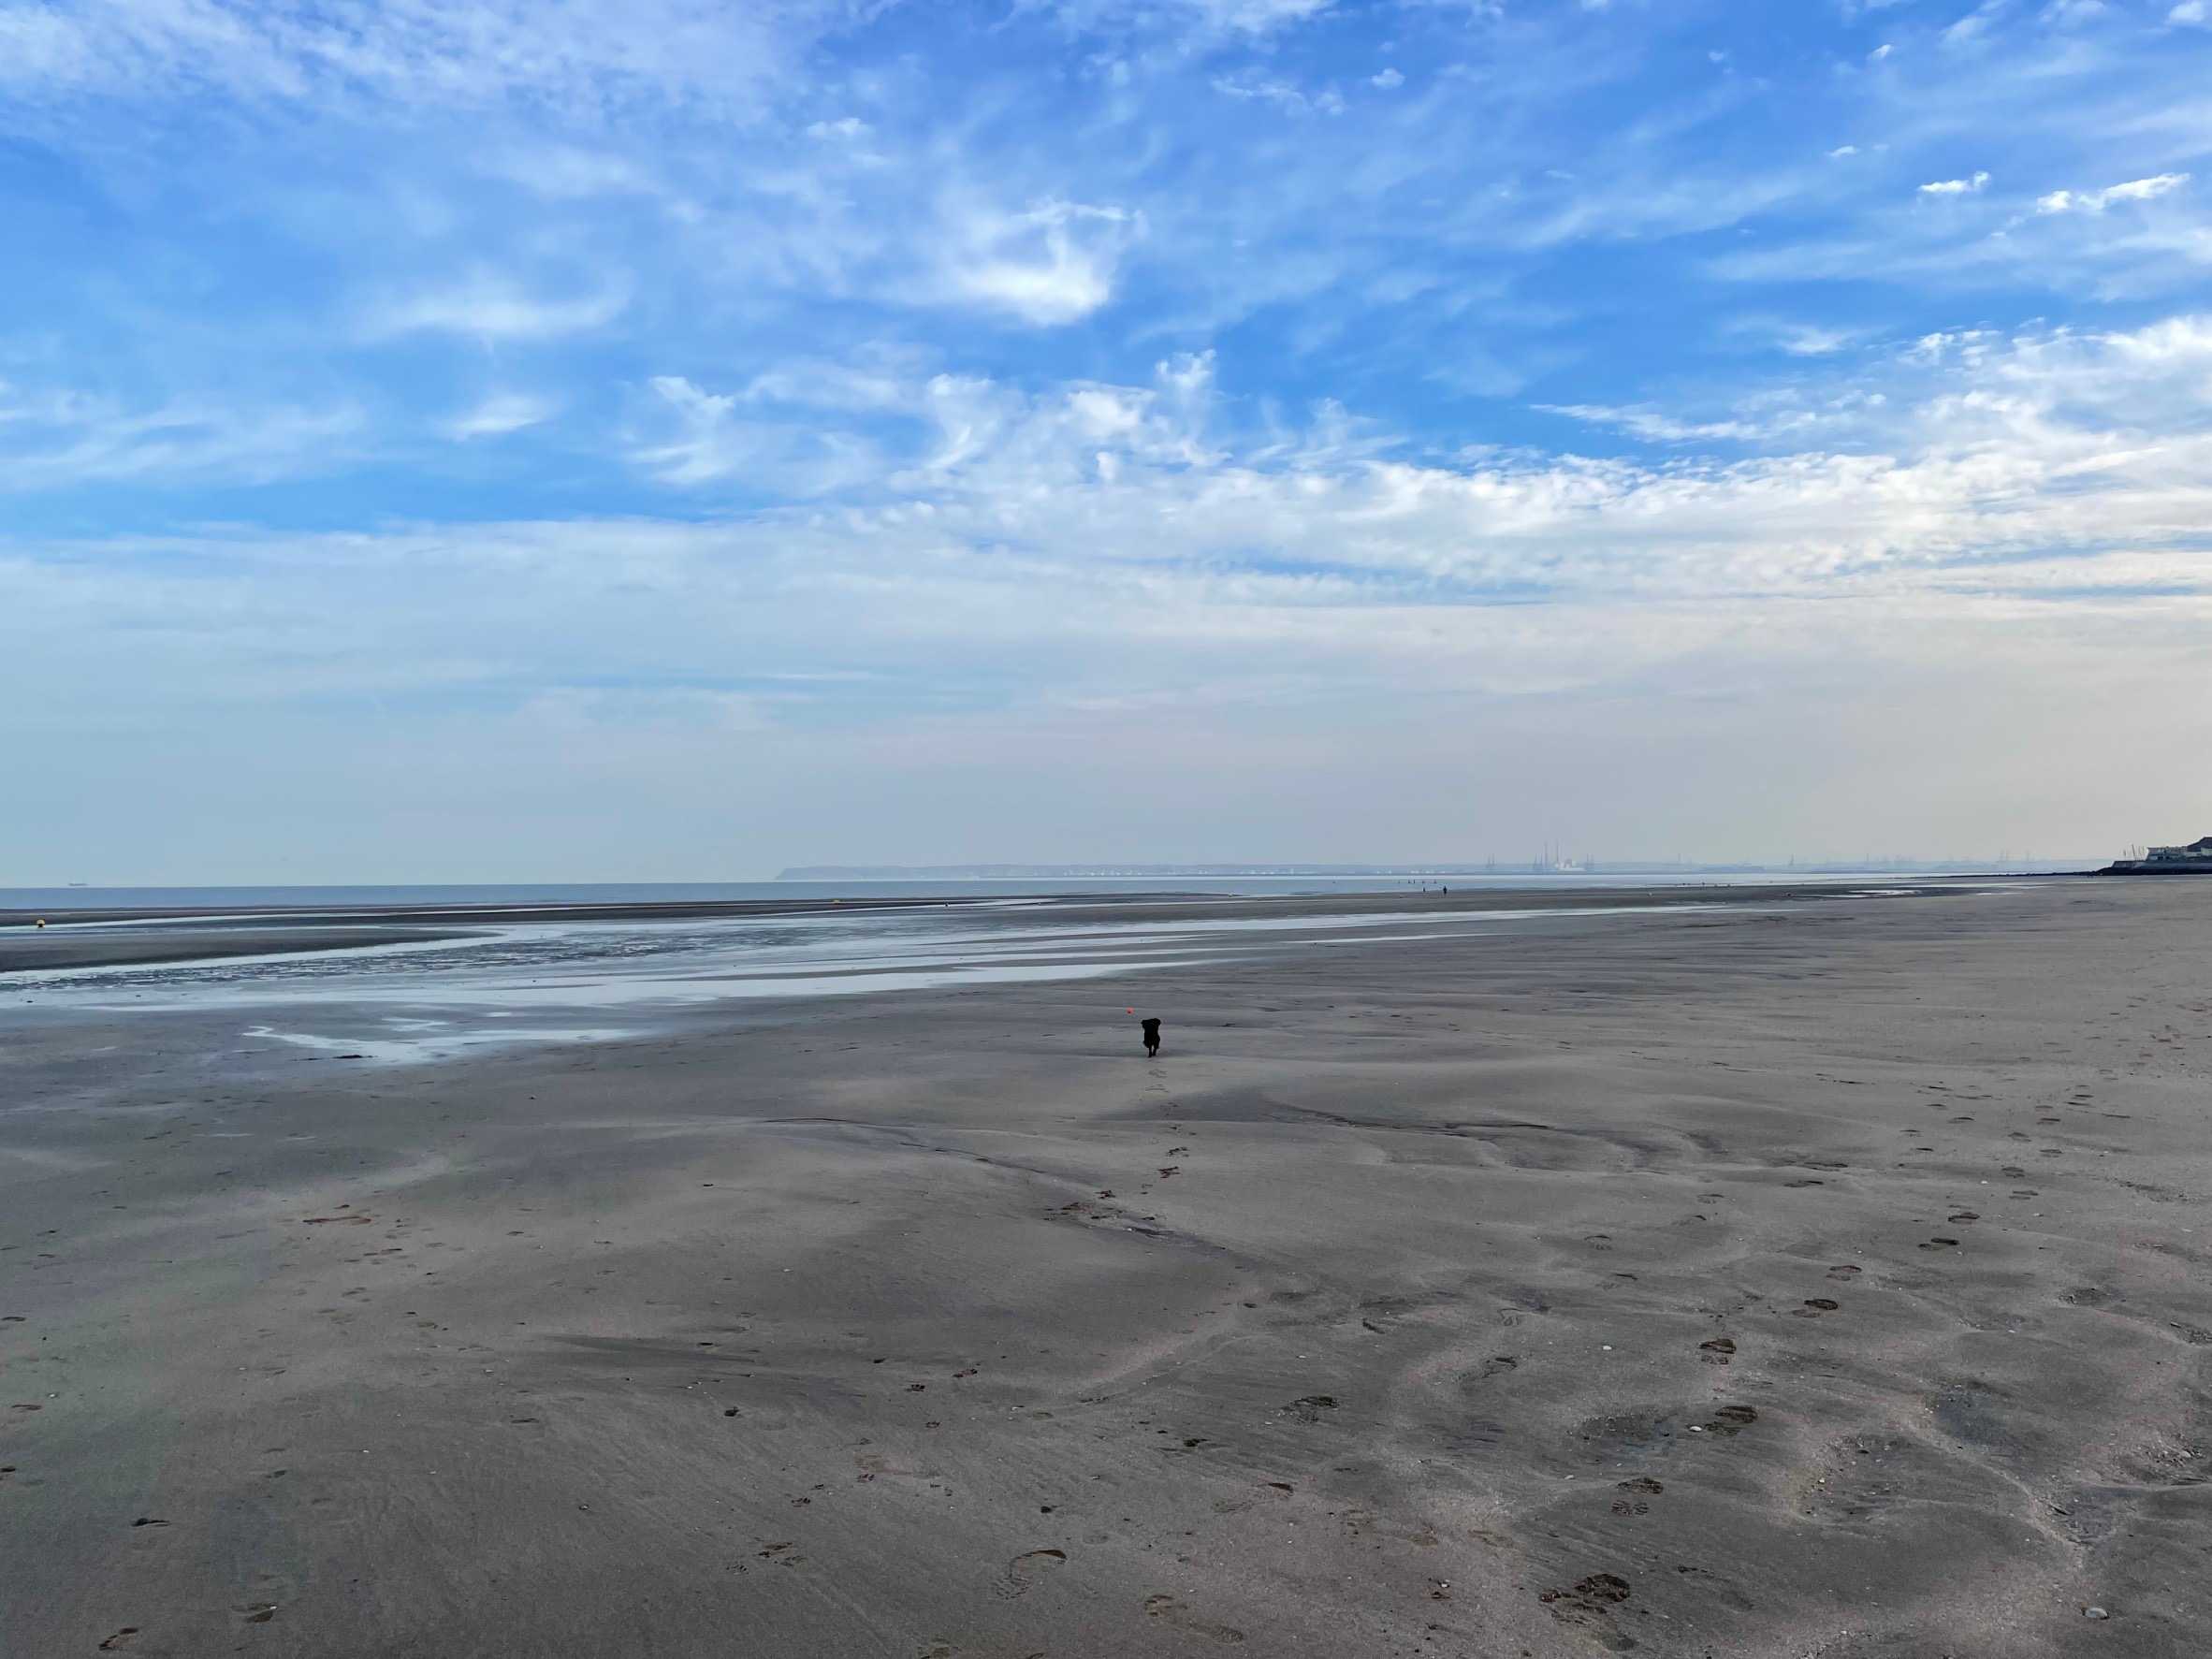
{"x": 1152, "y": 1039}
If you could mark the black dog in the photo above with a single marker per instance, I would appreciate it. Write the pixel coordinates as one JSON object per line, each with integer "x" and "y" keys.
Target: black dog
{"x": 1151, "y": 1038}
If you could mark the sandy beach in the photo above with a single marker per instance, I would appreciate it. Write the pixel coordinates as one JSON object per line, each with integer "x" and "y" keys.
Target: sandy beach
{"x": 1799, "y": 1276}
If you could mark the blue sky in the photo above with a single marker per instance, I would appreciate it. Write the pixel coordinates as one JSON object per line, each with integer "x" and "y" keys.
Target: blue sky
{"x": 594, "y": 441}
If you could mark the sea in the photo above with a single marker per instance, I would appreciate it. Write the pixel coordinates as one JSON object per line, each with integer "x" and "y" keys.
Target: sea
{"x": 464, "y": 985}
{"x": 42, "y": 900}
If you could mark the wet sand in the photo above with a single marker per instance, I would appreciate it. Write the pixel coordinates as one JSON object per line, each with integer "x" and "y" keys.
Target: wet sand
{"x": 137, "y": 937}
{"x": 1825, "y": 1278}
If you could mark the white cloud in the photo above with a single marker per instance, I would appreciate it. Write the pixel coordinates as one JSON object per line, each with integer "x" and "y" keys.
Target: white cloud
{"x": 1256, "y": 15}
{"x": 58, "y": 439}
{"x": 488, "y": 305}
{"x": 701, "y": 451}
{"x": 1809, "y": 340}
{"x": 1286, "y": 96}
{"x": 720, "y": 438}
{"x": 570, "y": 172}
{"x": 2096, "y": 201}
{"x": 1050, "y": 263}
{"x": 1955, "y": 186}
{"x": 2190, "y": 11}
{"x": 1799, "y": 338}
{"x": 500, "y": 414}
{"x": 1204, "y": 16}
{"x": 581, "y": 53}
{"x": 1659, "y": 428}
{"x": 1390, "y": 79}
{"x": 1960, "y": 455}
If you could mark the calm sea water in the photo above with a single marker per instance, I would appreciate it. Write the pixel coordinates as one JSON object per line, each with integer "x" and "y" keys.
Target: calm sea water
{"x": 240, "y": 899}
{"x": 456, "y": 988}
{"x": 581, "y": 978}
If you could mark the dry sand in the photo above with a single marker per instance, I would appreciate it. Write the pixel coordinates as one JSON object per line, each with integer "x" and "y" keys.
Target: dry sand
{"x": 1828, "y": 1280}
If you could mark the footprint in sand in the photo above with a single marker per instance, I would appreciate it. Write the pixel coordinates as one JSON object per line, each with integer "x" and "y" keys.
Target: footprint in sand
{"x": 1815, "y": 1306}
{"x": 1590, "y": 1603}
{"x": 1025, "y": 1569}
{"x": 1845, "y": 1272}
{"x": 1166, "y": 1607}
{"x": 1605, "y": 1587}
{"x": 120, "y": 1641}
{"x": 1717, "y": 1351}
{"x": 1641, "y": 1487}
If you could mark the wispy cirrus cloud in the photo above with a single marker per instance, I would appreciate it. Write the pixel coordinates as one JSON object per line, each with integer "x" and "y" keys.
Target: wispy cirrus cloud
{"x": 2096, "y": 201}
{"x": 578, "y": 52}
{"x": 500, "y": 414}
{"x": 1957, "y": 453}
{"x": 489, "y": 305}
{"x": 64, "y": 438}
{"x": 1048, "y": 264}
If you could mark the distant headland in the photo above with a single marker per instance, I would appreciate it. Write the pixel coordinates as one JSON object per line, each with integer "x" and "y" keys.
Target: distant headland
{"x": 2193, "y": 860}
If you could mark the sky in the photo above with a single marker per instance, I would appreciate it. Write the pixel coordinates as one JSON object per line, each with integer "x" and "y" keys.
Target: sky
{"x": 548, "y": 439}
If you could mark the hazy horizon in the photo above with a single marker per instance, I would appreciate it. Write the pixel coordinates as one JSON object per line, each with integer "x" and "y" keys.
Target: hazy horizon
{"x": 568, "y": 443}
{"x": 1126, "y": 876}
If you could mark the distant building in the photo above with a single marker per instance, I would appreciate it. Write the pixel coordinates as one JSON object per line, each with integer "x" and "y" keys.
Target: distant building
{"x": 2193, "y": 860}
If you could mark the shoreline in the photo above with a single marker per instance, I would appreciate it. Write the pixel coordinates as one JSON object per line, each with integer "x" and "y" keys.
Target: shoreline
{"x": 126, "y": 936}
